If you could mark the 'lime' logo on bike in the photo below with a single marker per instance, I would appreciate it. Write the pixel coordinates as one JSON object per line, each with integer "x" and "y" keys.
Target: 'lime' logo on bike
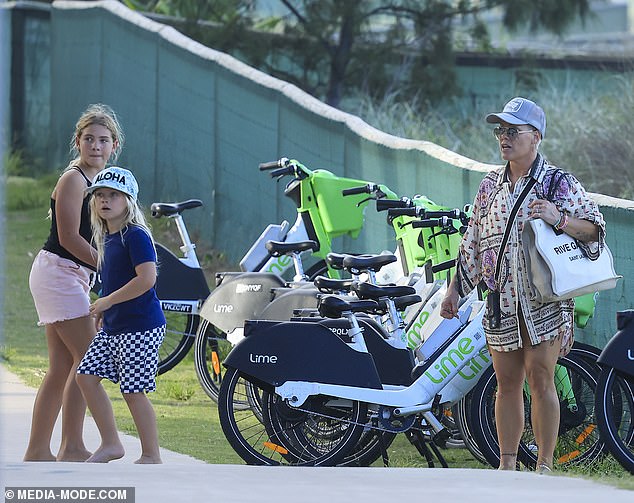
{"x": 176, "y": 308}
{"x": 282, "y": 263}
{"x": 223, "y": 308}
{"x": 413, "y": 334}
{"x": 451, "y": 360}
{"x": 241, "y": 288}
{"x": 272, "y": 359}
{"x": 476, "y": 365}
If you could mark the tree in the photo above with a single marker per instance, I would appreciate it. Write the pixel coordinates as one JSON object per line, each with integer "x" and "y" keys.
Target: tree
{"x": 328, "y": 47}
{"x": 355, "y": 35}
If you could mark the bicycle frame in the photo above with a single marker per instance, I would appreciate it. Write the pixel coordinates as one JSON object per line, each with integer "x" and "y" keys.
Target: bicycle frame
{"x": 270, "y": 346}
{"x": 322, "y": 212}
{"x": 421, "y": 246}
{"x": 181, "y": 285}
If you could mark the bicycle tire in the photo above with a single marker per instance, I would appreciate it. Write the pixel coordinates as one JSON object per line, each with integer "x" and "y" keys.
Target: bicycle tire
{"x": 369, "y": 448}
{"x": 462, "y": 415}
{"x": 210, "y": 350}
{"x": 615, "y": 409}
{"x": 282, "y": 438}
{"x": 578, "y": 441}
{"x": 180, "y": 332}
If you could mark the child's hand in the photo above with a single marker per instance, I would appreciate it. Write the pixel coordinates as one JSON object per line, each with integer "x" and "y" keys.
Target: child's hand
{"x": 98, "y": 321}
{"x": 97, "y": 309}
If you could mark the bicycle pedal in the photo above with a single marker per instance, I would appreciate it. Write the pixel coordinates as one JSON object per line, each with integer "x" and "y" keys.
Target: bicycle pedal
{"x": 440, "y": 438}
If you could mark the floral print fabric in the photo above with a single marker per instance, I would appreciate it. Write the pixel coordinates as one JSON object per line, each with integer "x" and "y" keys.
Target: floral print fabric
{"x": 481, "y": 242}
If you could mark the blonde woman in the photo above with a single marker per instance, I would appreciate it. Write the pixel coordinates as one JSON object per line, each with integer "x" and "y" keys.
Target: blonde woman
{"x": 60, "y": 283}
{"x": 125, "y": 350}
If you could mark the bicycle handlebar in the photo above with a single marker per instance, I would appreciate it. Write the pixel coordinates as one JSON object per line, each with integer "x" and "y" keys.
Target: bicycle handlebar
{"x": 432, "y": 222}
{"x": 363, "y": 189}
{"x": 417, "y": 211}
{"x": 388, "y": 204}
{"x": 403, "y": 211}
{"x": 285, "y": 170}
{"x": 443, "y": 266}
{"x": 456, "y": 213}
{"x": 265, "y": 166}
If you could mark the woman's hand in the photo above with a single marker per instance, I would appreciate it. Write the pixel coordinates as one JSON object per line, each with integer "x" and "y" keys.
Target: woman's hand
{"x": 580, "y": 229}
{"x": 547, "y": 211}
{"x": 449, "y": 305}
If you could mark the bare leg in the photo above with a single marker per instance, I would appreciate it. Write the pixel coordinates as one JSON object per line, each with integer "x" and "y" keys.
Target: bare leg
{"x": 76, "y": 335}
{"x": 509, "y": 404}
{"x": 101, "y": 409}
{"x": 145, "y": 421}
{"x": 48, "y": 400}
{"x": 540, "y": 364}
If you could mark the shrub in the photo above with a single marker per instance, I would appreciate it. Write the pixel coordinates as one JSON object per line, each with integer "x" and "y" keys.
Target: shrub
{"x": 589, "y": 133}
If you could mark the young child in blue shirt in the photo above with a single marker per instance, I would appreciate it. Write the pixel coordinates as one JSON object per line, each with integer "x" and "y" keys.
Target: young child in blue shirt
{"x": 125, "y": 350}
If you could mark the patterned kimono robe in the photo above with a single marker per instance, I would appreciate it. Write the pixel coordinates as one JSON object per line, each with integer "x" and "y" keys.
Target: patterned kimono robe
{"x": 480, "y": 246}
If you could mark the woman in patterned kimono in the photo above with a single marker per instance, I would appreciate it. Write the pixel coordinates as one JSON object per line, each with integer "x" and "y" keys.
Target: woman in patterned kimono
{"x": 525, "y": 338}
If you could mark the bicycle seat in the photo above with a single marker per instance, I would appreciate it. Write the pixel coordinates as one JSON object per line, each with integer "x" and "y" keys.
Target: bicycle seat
{"x": 406, "y": 300}
{"x": 168, "y": 209}
{"x": 374, "y": 292}
{"x": 277, "y": 248}
{"x": 331, "y": 306}
{"x": 329, "y": 285}
{"x": 368, "y": 262}
{"x": 335, "y": 260}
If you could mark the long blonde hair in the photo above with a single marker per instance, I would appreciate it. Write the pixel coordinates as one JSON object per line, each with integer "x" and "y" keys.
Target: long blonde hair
{"x": 134, "y": 216}
{"x": 101, "y": 115}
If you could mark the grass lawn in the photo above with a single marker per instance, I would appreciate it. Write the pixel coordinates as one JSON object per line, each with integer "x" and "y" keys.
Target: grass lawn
{"x": 187, "y": 418}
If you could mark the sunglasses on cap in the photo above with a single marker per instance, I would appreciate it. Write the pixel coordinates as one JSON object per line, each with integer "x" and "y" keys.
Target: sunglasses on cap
{"x": 511, "y": 132}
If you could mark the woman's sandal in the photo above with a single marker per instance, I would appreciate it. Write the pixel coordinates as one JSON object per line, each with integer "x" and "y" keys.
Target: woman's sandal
{"x": 543, "y": 469}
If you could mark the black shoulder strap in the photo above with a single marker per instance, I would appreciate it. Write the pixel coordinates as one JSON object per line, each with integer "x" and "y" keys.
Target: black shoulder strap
{"x": 555, "y": 180}
{"x": 509, "y": 225}
{"x": 83, "y": 174}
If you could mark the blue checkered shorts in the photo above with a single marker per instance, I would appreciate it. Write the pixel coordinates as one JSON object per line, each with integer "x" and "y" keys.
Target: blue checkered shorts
{"x": 128, "y": 359}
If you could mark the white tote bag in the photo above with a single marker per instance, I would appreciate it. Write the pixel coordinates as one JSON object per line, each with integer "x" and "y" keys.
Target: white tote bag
{"x": 559, "y": 269}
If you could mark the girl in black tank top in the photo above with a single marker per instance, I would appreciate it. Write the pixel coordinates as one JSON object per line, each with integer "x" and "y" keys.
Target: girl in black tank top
{"x": 52, "y": 243}
{"x": 60, "y": 288}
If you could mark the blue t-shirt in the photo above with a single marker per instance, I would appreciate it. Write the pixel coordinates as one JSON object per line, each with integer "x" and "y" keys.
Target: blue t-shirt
{"x": 121, "y": 257}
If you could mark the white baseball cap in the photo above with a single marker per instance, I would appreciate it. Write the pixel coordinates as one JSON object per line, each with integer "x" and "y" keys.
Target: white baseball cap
{"x": 117, "y": 178}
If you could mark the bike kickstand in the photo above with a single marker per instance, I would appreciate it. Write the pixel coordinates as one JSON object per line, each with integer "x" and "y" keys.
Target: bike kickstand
{"x": 439, "y": 455}
{"x": 421, "y": 447}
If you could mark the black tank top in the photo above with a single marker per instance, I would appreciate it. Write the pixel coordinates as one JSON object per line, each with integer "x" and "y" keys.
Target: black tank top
{"x": 52, "y": 243}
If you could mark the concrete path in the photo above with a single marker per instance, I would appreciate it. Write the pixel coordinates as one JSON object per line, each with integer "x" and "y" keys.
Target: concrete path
{"x": 182, "y": 478}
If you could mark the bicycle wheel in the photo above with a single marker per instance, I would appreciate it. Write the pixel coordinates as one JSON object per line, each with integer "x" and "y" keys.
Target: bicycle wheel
{"x": 320, "y": 434}
{"x": 180, "y": 331}
{"x": 210, "y": 350}
{"x": 578, "y": 441}
{"x": 462, "y": 415}
{"x": 615, "y": 409}
{"x": 322, "y": 428}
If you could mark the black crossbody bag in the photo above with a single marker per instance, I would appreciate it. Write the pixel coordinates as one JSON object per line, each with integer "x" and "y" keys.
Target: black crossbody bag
{"x": 494, "y": 312}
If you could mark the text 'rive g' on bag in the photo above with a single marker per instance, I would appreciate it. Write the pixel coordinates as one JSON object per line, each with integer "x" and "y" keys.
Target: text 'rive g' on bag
{"x": 559, "y": 269}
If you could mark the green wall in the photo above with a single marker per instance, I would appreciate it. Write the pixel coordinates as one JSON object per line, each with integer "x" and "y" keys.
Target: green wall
{"x": 199, "y": 122}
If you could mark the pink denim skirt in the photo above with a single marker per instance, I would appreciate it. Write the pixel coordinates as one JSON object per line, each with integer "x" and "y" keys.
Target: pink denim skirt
{"x": 60, "y": 288}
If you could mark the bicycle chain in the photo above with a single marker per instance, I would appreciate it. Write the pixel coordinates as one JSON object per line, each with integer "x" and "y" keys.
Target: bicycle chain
{"x": 371, "y": 426}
